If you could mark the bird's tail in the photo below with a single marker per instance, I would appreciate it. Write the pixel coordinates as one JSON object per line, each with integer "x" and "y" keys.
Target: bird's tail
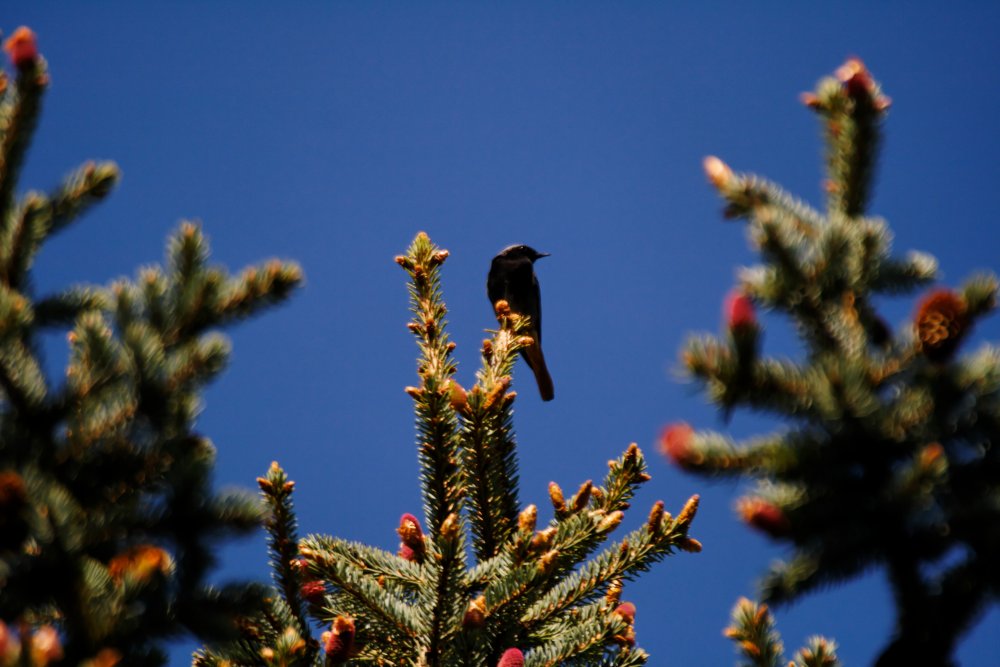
{"x": 536, "y": 361}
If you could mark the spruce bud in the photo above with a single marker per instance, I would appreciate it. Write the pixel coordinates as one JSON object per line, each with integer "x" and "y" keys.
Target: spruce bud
{"x": 690, "y": 508}
{"x": 582, "y": 496}
{"x": 718, "y": 172}
{"x": 610, "y": 522}
{"x": 527, "y": 519}
{"x": 655, "y": 520}
{"x": 558, "y": 501}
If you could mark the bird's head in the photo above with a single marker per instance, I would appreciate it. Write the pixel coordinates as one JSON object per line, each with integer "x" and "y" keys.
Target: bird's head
{"x": 522, "y": 251}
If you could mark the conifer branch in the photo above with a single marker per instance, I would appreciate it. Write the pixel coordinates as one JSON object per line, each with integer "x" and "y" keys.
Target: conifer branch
{"x": 480, "y": 574}
{"x": 439, "y": 444}
{"x": 445, "y": 603}
{"x": 16, "y": 313}
{"x": 37, "y": 217}
{"x": 753, "y": 630}
{"x": 437, "y": 422}
{"x": 581, "y": 640}
{"x": 83, "y": 188}
{"x": 372, "y": 562}
{"x": 20, "y": 107}
{"x": 761, "y": 201}
{"x": 488, "y": 441}
{"x": 900, "y": 276}
{"x": 362, "y": 596}
{"x": 154, "y": 288}
{"x": 819, "y": 652}
{"x": 632, "y": 658}
{"x": 63, "y": 308}
{"x": 625, "y": 474}
{"x": 257, "y": 287}
{"x": 622, "y": 560}
{"x": 21, "y": 378}
{"x": 282, "y": 529}
{"x": 980, "y": 295}
{"x": 276, "y": 640}
{"x": 852, "y": 105}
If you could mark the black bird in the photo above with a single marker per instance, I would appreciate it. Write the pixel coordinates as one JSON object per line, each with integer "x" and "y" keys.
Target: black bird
{"x": 512, "y": 278}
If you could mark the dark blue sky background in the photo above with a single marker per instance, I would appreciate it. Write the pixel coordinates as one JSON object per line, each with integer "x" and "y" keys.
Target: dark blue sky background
{"x": 331, "y": 133}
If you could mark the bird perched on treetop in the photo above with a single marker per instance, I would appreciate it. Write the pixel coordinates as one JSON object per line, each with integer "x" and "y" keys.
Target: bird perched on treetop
{"x": 512, "y": 278}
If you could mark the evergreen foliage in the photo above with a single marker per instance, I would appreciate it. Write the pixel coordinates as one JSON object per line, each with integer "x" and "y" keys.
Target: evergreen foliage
{"x": 483, "y": 585}
{"x": 890, "y": 458}
{"x": 754, "y": 632}
{"x": 108, "y": 520}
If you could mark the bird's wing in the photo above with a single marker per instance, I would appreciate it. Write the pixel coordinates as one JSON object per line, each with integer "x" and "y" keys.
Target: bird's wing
{"x": 536, "y": 316}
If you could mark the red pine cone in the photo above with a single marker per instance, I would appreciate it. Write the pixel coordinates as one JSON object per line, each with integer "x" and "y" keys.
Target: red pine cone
{"x": 739, "y": 311}
{"x": 412, "y": 546}
{"x": 512, "y": 657}
{"x": 627, "y": 611}
{"x": 941, "y": 322}
{"x": 313, "y": 591}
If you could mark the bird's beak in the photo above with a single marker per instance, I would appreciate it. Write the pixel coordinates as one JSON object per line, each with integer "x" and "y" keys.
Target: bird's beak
{"x": 542, "y": 254}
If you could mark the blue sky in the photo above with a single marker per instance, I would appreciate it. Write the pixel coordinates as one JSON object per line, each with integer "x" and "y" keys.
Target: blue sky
{"x": 331, "y": 133}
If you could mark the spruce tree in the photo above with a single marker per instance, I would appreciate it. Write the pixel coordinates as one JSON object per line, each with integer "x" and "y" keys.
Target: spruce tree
{"x": 476, "y": 581}
{"x": 108, "y": 518}
{"x": 889, "y": 455}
